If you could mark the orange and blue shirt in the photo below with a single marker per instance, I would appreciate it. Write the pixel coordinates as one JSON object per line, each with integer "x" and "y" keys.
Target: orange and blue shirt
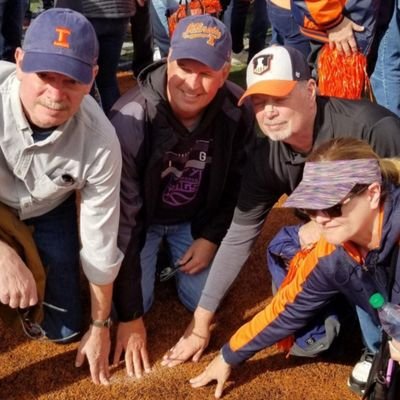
{"x": 323, "y": 273}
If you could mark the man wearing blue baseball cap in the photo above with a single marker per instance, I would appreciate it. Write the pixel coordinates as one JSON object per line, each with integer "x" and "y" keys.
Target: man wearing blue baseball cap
{"x": 55, "y": 140}
{"x": 183, "y": 139}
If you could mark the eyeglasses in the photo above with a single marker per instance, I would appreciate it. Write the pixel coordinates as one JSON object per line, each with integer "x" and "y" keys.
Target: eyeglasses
{"x": 336, "y": 210}
{"x": 31, "y": 329}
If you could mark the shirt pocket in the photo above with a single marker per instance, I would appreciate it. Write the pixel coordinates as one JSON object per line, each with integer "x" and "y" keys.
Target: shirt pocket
{"x": 52, "y": 187}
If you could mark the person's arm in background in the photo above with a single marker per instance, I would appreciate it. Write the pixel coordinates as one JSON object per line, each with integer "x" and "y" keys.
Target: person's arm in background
{"x": 328, "y": 17}
{"x": 341, "y": 37}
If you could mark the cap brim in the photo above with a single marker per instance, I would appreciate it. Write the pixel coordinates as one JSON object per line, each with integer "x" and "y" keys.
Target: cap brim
{"x": 278, "y": 88}
{"x": 318, "y": 197}
{"x": 73, "y": 68}
{"x": 214, "y": 62}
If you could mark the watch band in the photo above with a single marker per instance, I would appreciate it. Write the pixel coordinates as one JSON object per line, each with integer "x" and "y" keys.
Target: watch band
{"x": 101, "y": 323}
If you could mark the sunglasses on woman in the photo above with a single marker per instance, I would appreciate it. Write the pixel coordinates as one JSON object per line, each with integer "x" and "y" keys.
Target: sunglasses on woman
{"x": 336, "y": 210}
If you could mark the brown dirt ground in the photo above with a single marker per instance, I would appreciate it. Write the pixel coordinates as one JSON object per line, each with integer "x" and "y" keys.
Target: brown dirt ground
{"x": 38, "y": 370}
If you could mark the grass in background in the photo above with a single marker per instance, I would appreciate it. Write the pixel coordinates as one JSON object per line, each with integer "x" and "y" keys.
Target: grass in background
{"x": 35, "y": 5}
{"x": 238, "y": 75}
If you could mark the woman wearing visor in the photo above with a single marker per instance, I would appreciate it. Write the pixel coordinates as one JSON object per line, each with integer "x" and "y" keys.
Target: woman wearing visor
{"x": 354, "y": 197}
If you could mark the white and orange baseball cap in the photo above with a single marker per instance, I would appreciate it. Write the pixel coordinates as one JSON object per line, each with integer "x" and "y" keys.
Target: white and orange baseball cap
{"x": 275, "y": 71}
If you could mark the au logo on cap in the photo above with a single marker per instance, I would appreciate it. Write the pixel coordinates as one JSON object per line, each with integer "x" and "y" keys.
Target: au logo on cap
{"x": 262, "y": 64}
{"x": 63, "y": 37}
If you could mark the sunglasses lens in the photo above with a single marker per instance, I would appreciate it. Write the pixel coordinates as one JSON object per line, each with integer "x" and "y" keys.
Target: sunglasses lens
{"x": 334, "y": 211}
{"x": 309, "y": 212}
{"x": 31, "y": 329}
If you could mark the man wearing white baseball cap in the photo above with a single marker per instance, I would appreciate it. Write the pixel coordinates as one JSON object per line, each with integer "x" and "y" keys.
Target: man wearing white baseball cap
{"x": 294, "y": 119}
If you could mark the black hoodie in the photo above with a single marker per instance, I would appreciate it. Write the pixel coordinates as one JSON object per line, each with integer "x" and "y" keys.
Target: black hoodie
{"x": 147, "y": 129}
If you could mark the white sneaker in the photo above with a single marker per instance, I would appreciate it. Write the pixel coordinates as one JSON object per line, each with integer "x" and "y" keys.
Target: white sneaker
{"x": 156, "y": 54}
{"x": 359, "y": 375}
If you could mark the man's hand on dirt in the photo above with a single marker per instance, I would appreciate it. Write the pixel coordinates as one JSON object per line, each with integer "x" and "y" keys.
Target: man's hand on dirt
{"x": 132, "y": 339}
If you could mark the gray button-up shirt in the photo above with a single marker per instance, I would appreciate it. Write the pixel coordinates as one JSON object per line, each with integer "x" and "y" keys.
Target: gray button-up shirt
{"x": 82, "y": 154}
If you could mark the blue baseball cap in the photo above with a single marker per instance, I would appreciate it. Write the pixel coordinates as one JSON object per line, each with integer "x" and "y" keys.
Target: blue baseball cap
{"x": 202, "y": 38}
{"x": 63, "y": 41}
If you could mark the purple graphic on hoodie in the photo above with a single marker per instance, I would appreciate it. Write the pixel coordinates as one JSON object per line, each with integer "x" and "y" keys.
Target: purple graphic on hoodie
{"x": 184, "y": 172}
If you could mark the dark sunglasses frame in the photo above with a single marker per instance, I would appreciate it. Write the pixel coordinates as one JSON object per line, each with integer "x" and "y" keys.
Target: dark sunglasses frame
{"x": 336, "y": 210}
{"x": 168, "y": 272}
{"x": 31, "y": 329}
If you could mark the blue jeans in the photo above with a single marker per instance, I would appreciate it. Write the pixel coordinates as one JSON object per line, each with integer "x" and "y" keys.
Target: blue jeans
{"x": 227, "y": 15}
{"x": 371, "y": 334}
{"x": 56, "y": 237}
{"x": 12, "y": 14}
{"x": 285, "y": 30}
{"x": 179, "y": 239}
{"x": 111, "y": 34}
{"x": 385, "y": 79}
{"x": 158, "y": 9}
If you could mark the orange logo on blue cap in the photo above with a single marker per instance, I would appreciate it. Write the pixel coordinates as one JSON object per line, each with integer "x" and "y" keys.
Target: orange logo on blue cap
{"x": 199, "y": 30}
{"x": 63, "y": 37}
